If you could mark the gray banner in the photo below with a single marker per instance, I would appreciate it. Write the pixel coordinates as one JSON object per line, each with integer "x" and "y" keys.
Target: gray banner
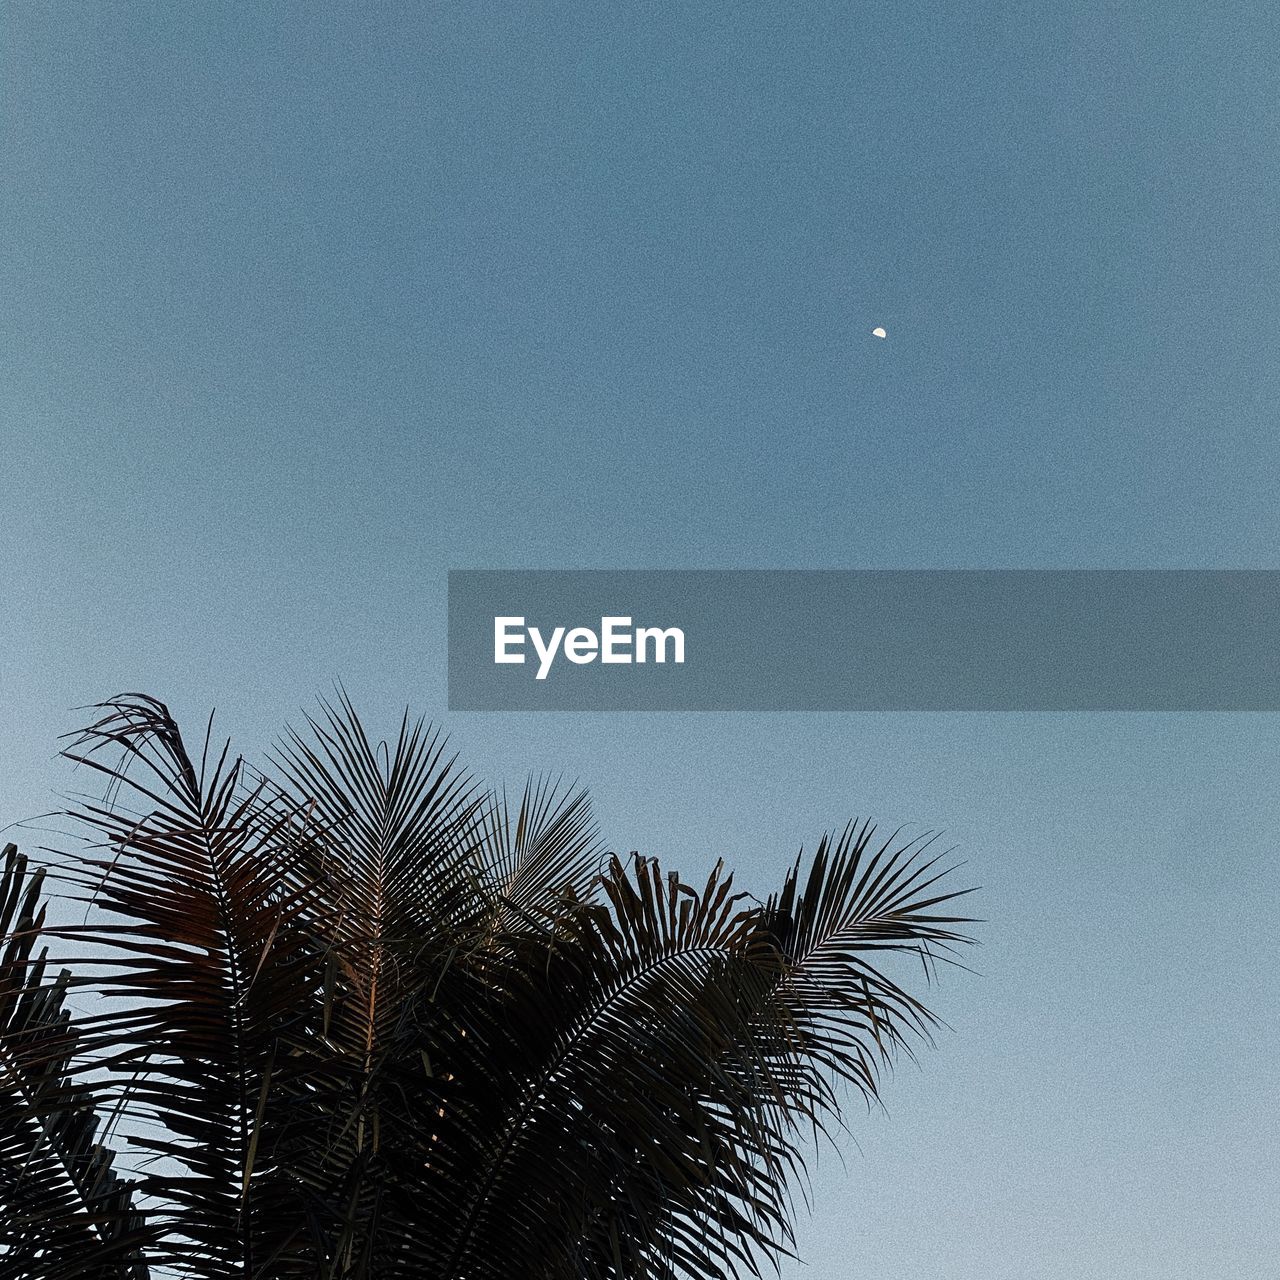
{"x": 864, "y": 640}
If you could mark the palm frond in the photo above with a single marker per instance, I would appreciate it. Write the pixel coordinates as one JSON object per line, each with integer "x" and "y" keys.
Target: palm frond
{"x": 695, "y": 1040}
{"x": 390, "y": 838}
{"x": 833, "y": 1011}
{"x": 545, "y": 851}
{"x": 66, "y": 1214}
{"x": 210, "y": 975}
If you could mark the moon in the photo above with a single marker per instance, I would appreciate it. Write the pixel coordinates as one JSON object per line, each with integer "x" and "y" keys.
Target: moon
{"x": 879, "y": 332}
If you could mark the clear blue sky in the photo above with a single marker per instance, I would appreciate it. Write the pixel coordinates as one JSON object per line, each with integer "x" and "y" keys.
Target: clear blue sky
{"x": 302, "y": 305}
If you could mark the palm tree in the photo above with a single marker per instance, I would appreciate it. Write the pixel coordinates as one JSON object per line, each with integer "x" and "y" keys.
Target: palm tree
{"x": 355, "y": 1017}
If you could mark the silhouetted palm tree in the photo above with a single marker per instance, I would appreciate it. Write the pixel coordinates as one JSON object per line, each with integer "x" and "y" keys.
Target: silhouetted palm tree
{"x": 364, "y": 1020}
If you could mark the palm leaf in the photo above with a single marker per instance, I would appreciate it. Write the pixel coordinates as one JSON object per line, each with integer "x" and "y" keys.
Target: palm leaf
{"x": 390, "y": 839}
{"x": 695, "y": 1040}
{"x": 195, "y": 914}
{"x": 66, "y": 1215}
{"x": 549, "y": 848}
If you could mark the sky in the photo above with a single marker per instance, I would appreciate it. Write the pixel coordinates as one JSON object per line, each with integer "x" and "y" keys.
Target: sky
{"x": 303, "y": 305}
